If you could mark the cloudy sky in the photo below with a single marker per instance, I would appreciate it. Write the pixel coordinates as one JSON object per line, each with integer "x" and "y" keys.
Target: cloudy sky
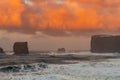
{"x": 50, "y": 24}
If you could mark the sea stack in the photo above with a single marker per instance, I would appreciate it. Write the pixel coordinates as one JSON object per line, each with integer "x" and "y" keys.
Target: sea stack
{"x": 2, "y": 51}
{"x": 105, "y": 44}
{"x": 61, "y": 50}
{"x": 20, "y": 48}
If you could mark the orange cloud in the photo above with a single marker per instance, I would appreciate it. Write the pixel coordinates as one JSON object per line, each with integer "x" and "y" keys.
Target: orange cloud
{"x": 62, "y": 16}
{"x": 10, "y": 13}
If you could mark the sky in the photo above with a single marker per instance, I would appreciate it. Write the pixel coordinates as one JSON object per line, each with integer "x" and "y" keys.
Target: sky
{"x": 50, "y": 24}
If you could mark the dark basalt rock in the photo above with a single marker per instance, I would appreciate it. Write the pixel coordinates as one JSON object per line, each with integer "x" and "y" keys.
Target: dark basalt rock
{"x": 61, "y": 50}
{"x": 20, "y": 48}
{"x": 2, "y": 51}
{"x": 24, "y": 68}
{"x": 10, "y": 69}
{"x": 105, "y": 44}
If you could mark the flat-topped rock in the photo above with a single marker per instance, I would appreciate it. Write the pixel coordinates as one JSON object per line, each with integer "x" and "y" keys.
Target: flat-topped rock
{"x": 20, "y": 48}
{"x": 105, "y": 44}
{"x": 61, "y": 50}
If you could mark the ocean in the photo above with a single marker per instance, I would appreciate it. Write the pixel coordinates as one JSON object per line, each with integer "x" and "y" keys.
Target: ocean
{"x": 62, "y": 66}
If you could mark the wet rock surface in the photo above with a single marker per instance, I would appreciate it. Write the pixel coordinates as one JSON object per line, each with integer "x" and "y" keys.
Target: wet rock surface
{"x": 10, "y": 69}
{"x": 24, "y": 68}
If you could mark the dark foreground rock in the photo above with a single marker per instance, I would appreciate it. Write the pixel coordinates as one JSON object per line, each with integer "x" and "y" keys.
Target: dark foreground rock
{"x": 20, "y": 48}
{"x": 105, "y": 44}
{"x": 10, "y": 69}
{"x": 24, "y": 68}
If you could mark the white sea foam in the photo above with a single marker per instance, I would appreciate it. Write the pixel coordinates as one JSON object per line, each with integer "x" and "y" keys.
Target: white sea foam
{"x": 105, "y": 70}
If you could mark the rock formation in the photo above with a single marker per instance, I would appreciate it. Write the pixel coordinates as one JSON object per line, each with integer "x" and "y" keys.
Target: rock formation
{"x": 105, "y": 44}
{"x": 24, "y": 68}
{"x": 20, "y": 48}
{"x": 2, "y": 51}
{"x": 61, "y": 50}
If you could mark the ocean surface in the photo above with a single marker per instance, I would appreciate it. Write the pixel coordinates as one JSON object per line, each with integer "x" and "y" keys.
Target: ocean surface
{"x": 103, "y": 69}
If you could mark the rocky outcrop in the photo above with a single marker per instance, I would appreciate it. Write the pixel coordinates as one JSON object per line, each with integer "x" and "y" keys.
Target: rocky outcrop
{"x": 24, "y": 68}
{"x": 105, "y": 44}
{"x": 61, "y": 50}
{"x": 1, "y": 50}
{"x": 20, "y": 48}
